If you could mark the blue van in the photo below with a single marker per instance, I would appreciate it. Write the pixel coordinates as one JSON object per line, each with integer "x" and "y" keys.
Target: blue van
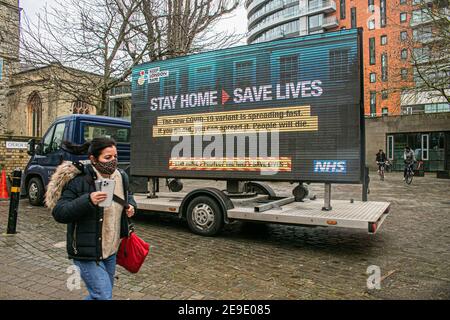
{"x": 47, "y": 154}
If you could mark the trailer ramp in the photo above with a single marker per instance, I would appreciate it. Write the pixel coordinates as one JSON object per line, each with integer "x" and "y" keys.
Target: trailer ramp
{"x": 367, "y": 216}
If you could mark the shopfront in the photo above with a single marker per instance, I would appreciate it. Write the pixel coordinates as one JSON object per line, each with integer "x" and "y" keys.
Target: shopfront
{"x": 433, "y": 148}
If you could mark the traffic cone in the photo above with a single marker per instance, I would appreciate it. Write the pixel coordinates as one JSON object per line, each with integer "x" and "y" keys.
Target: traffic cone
{"x": 3, "y": 187}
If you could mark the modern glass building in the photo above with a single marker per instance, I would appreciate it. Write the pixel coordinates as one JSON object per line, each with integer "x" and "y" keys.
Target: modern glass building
{"x": 275, "y": 19}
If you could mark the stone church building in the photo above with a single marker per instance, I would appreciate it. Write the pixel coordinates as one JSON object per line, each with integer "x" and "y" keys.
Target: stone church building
{"x": 29, "y": 101}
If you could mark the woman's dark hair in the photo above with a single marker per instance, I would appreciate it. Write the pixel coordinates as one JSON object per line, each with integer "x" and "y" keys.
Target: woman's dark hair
{"x": 93, "y": 147}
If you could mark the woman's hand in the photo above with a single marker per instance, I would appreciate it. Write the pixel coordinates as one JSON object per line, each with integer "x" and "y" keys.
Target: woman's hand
{"x": 97, "y": 197}
{"x": 130, "y": 211}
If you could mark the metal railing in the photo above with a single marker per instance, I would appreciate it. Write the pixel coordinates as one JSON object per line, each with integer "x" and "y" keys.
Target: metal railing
{"x": 330, "y": 22}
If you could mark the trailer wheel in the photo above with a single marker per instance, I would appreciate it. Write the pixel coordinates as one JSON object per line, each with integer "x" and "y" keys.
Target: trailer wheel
{"x": 204, "y": 216}
{"x": 36, "y": 192}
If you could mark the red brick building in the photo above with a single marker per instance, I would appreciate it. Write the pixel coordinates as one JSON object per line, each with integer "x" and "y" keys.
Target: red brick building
{"x": 387, "y": 29}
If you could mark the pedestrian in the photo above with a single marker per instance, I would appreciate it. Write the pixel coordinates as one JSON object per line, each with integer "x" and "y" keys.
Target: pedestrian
{"x": 93, "y": 232}
{"x": 409, "y": 159}
{"x": 380, "y": 159}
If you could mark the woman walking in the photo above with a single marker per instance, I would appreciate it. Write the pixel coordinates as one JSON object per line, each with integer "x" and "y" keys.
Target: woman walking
{"x": 93, "y": 232}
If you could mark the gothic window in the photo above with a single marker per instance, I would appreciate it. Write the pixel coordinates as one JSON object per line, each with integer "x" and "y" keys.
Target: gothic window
{"x": 35, "y": 114}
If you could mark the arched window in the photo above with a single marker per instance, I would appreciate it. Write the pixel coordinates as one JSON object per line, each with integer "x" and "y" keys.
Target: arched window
{"x": 80, "y": 106}
{"x": 35, "y": 114}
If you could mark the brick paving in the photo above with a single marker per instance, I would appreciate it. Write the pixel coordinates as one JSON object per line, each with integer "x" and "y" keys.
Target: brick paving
{"x": 255, "y": 261}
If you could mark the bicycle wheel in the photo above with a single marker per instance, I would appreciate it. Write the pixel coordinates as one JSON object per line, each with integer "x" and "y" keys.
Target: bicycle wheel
{"x": 409, "y": 178}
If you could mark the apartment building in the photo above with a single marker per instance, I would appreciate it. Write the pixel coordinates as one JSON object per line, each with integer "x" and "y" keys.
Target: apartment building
{"x": 388, "y": 27}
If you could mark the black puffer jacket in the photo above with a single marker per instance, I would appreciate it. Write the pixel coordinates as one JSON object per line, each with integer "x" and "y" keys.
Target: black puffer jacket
{"x": 84, "y": 219}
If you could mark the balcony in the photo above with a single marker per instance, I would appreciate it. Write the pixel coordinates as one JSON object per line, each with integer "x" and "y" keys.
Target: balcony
{"x": 264, "y": 11}
{"x": 318, "y": 6}
{"x": 255, "y": 32}
{"x": 330, "y": 23}
{"x": 425, "y": 39}
{"x": 421, "y": 17}
{"x": 254, "y": 4}
{"x": 424, "y": 55}
{"x": 255, "y": 18}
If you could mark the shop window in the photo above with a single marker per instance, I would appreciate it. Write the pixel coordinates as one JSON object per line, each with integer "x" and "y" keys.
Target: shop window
{"x": 425, "y": 140}
{"x": 390, "y": 147}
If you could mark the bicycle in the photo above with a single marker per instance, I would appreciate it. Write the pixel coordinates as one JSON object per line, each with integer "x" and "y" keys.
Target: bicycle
{"x": 388, "y": 166}
{"x": 409, "y": 173}
{"x": 381, "y": 170}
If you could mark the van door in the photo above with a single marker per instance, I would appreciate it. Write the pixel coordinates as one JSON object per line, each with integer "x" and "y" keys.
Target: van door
{"x": 52, "y": 154}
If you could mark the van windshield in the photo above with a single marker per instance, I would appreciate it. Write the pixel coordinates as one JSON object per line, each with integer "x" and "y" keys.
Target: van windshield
{"x": 119, "y": 134}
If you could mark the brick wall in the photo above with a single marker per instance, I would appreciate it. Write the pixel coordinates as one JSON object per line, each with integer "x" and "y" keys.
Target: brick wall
{"x": 13, "y": 158}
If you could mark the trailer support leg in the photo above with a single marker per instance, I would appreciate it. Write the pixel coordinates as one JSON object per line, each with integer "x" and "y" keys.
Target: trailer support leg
{"x": 153, "y": 187}
{"x": 235, "y": 186}
{"x": 365, "y": 188}
{"x": 327, "y": 198}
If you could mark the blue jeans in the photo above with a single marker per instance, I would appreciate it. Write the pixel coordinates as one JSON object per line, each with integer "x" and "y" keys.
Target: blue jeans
{"x": 99, "y": 279}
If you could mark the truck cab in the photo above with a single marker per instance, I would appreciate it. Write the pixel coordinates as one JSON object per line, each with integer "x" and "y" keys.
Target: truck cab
{"x": 47, "y": 154}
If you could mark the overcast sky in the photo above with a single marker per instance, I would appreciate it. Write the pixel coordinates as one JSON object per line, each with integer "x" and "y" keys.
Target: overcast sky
{"x": 237, "y": 21}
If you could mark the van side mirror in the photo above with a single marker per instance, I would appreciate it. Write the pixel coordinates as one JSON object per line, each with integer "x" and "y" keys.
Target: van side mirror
{"x": 31, "y": 147}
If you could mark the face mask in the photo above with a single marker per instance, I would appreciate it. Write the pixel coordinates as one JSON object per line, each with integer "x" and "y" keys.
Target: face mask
{"x": 106, "y": 167}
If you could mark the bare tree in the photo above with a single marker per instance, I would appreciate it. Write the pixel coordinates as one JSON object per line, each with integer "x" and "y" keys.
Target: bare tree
{"x": 424, "y": 52}
{"x": 89, "y": 43}
{"x": 95, "y": 43}
{"x": 179, "y": 27}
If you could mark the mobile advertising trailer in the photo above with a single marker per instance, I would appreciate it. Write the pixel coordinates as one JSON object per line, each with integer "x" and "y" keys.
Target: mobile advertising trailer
{"x": 288, "y": 110}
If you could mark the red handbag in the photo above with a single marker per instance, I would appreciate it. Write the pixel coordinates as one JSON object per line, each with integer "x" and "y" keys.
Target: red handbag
{"x": 132, "y": 252}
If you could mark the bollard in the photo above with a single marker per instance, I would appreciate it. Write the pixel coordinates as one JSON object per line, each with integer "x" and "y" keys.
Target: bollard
{"x": 14, "y": 201}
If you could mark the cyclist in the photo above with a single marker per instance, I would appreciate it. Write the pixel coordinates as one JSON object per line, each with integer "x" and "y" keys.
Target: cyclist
{"x": 380, "y": 159}
{"x": 409, "y": 158}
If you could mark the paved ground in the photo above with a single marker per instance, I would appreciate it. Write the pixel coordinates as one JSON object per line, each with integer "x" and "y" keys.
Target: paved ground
{"x": 256, "y": 261}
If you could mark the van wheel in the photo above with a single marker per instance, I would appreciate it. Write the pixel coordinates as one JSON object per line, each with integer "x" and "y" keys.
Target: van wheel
{"x": 204, "y": 216}
{"x": 36, "y": 192}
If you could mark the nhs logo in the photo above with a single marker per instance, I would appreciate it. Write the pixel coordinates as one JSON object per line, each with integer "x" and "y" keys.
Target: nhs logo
{"x": 330, "y": 166}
